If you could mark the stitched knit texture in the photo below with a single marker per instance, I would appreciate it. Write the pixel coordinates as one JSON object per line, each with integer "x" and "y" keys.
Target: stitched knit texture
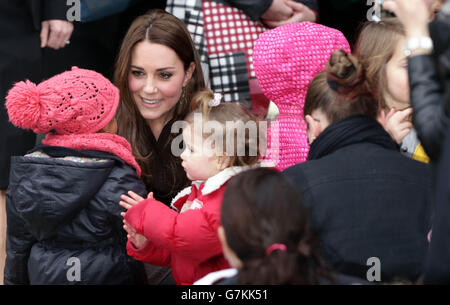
{"x": 286, "y": 59}
{"x": 73, "y": 102}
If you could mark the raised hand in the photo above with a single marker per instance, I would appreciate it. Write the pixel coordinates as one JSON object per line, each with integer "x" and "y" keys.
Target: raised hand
{"x": 398, "y": 124}
{"x": 132, "y": 199}
{"x": 136, "y": 239}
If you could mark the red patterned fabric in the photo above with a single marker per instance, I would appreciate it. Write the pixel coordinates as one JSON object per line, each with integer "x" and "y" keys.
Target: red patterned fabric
{"x": 228, "y": 29}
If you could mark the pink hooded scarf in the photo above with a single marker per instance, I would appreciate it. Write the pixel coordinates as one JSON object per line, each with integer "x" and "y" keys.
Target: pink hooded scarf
{"x": 286, "y": 59}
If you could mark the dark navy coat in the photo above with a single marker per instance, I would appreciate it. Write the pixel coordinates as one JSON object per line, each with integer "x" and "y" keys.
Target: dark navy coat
{"x": 64, "y": 222}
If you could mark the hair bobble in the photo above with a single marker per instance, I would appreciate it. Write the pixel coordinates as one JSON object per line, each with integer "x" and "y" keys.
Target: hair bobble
{"x": 273, "y": 247}
{"x": 216, "y": 100}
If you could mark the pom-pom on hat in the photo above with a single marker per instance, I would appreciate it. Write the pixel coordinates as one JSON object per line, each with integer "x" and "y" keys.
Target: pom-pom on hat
{"x": 286, "y": 59}
{"x": 78, "y": 101}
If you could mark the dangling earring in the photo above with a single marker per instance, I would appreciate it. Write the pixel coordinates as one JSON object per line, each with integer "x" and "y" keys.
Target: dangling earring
{"x": 182, "y": 101}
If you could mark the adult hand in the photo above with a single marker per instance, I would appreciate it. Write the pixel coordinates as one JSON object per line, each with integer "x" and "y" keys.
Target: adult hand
{"x": 136, "y": 239}
{"x": 55, "y": 33}
{"x": 413, "y": 14}
{"x": 398, "y": 124}
{"x": 301, "y": 13}
{"x": 278, "y": 11}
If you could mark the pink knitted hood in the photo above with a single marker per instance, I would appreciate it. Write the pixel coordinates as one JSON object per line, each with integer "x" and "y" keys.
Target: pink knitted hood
{"x": 286, "y": 59}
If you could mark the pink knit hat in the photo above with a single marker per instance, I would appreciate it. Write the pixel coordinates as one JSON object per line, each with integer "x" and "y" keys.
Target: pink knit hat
{"x": 74, "y": 102}
{"x": 286, "y": 59}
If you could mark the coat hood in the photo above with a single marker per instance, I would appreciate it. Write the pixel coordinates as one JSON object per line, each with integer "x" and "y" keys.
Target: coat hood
{"x": 286, "y": 59}
{"x": 47, "y": 191}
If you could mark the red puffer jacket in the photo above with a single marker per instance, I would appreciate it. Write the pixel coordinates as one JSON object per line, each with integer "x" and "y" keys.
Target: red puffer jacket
{"x": 187, "y": 242}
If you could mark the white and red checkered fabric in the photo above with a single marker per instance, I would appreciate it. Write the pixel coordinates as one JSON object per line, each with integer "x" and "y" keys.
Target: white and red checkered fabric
{"x": 229, "y": 30}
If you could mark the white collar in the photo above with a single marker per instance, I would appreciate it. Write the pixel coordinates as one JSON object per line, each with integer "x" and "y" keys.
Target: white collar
{"x": 211, "y": 184}
{"x": 213, "y": 277}
{"x": 215, "y": 182}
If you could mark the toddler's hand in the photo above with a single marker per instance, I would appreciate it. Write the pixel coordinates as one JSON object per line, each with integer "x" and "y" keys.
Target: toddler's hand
{"x": 136, "y": 239}
{"x": 133, "y": 199}
{"x": 398, "y": 124}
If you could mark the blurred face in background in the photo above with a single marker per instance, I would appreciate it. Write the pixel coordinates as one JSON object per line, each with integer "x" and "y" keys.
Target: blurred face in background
{"x": 396, "y": 93}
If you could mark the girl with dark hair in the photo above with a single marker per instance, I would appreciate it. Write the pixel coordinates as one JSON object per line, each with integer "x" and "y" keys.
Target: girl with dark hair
{"x": 265, "y": 232}
{"x": 157, "y": 71}
{"x": 367, "y": 200}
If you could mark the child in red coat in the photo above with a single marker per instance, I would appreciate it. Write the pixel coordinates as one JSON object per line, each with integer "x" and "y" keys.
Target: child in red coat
{"x": 185, "y": 237}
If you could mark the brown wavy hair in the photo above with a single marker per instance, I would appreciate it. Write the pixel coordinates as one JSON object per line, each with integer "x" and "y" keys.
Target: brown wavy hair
{"x": 156, "y": 26}
{"x": 341, "y": 90}
{"x": 261, "y": 207}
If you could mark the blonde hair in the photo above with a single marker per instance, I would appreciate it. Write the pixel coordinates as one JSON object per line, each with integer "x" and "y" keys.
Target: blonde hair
{"x": 224, "y": 114}
{"x": 374, "y": 48}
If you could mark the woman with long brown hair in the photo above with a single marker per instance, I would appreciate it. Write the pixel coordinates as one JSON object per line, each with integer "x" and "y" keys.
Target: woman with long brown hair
{"x": 157, "y": 71}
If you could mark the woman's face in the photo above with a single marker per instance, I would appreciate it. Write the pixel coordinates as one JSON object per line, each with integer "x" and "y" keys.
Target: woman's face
{"x": 396, "y": 93}
{"x": 156, "y": 80}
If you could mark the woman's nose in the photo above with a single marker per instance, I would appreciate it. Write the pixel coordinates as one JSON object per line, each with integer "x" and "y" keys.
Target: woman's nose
{"x": 150, "y": 86}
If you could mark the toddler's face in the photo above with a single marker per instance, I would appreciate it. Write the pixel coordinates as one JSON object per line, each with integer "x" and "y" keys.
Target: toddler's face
{"x": 200, "y": 161}
{"x": 396, "y": 94}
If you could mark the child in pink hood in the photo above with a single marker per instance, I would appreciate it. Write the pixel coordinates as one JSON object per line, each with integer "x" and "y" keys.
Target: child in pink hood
{"x": 286, "y": 59}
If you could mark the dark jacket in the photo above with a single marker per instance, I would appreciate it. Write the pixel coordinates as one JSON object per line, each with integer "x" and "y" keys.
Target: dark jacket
{"x": 437, "y": 267}
{"x": 366, "y": 200}
{"x": 429, "y": 77}
{"x": 255, "y": 8}
{"x": 62, "y": 213}
{"x": 20, "y": 58}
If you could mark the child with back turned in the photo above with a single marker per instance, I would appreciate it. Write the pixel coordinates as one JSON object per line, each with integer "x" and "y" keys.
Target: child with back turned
{"x": 64, "y": 224}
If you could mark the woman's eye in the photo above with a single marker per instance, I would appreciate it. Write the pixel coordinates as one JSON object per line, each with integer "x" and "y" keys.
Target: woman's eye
{"x": 165, "y": 75}
{"x": 137, "y": 73}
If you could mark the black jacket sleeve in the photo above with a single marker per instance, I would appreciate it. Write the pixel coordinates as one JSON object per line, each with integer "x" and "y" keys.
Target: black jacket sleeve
{"x": 255, "y": 8}
{"x": 437, "y": 264}
{"x": 429, "y": 118}
{"x": 54, "y": 9}
{"x": 428, "y": 76}
{"x": 18, "y": 246}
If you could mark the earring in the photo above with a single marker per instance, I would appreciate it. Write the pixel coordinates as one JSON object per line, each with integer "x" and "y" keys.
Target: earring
{"x": 182, "y": 101}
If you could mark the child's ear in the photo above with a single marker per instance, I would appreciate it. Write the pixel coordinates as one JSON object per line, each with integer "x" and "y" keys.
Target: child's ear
{"x": 314, "y": 128}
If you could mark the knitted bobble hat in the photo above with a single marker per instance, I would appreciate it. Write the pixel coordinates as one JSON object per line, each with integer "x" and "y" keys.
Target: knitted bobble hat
{"x": 78, "y": 101}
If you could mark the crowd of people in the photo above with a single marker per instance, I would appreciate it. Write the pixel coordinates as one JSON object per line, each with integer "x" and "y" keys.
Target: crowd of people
{"x": 144, "y": 175}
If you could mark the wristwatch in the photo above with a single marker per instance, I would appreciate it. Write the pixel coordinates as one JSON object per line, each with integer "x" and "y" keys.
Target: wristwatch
{"x": 418, "y": 43}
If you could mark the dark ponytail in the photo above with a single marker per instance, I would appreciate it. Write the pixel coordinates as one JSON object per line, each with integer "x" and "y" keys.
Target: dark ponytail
{"x": 261, "y": 208}
{"x": 341, "y": 90}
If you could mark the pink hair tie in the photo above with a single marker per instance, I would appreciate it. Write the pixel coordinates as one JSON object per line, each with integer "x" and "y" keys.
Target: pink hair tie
{"x": 274, "y": 247}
